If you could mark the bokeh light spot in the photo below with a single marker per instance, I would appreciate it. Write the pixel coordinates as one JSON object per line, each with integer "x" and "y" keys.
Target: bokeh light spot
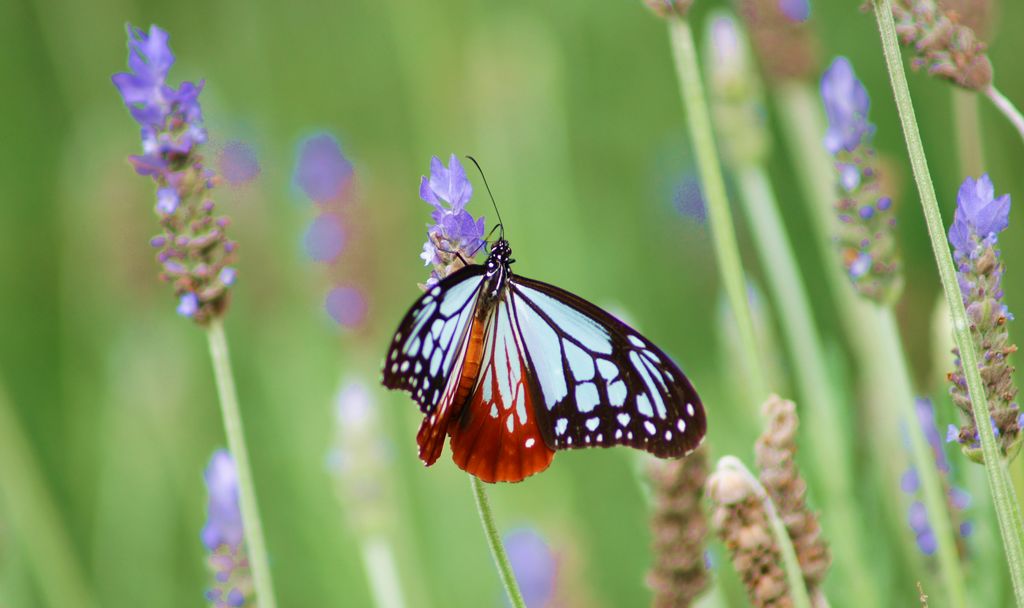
{"x": 322, "y": 170}
{"x": 347, "y": 306}
{"x": 325, "y": 238}
{"x": 238, "y": 163}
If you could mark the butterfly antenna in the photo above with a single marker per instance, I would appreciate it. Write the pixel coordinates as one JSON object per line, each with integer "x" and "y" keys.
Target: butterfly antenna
{"x": 501, "y": 224}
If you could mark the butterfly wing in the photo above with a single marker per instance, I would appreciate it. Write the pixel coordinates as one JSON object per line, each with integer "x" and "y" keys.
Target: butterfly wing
{"x": 431, "y": 339}
{"x": 497, "y": 436}
{"x": 599, "y": 382}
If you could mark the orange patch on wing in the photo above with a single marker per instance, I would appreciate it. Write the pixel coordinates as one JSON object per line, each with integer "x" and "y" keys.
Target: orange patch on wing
{"x": 496, "y": 437}
{"x": 434, "y": 428}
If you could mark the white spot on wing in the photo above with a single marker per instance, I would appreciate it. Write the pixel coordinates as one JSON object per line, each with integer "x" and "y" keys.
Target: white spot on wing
{"x": 649, "y": 426}
{"x": 580, "y": 363}
{"x": 510, "y": 423}
{"x": 529, "y": 442}
{"x": 593, "y": 422}
{"x": 681, "y": 425}
{"x": 643, "y": 405}
{"x": 637, "y": 342}
{"x": 623, "y": 419}
{"x": 560, "y": 425}
{"x": 586, "y": 397}
{"x": 617, "y": 393}
{"x": 607, "y": 369}
{"x": 689, "y": 409}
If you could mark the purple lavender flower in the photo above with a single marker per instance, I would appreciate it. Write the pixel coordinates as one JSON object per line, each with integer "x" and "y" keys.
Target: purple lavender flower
{"x": 846, "y": 104}
{"x": 689, "y": 199}
{"x": 957, "y": 499}
{"x": 224, "y": 518}
{"x": 322, "y": 171}
{"x": 866, "y": 237}
{"x": 360, "y": 461}
{"x": 223, "y": 535}
{"x": 454, "y": 233}
{"x": 193, "y": 246}
{"x": 979, "y": 218}
{"x": 171, "y": 119}
{"x": 534, "y": 565}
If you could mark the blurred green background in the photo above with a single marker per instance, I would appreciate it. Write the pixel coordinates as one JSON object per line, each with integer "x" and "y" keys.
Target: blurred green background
{"x": 574, "y": 111}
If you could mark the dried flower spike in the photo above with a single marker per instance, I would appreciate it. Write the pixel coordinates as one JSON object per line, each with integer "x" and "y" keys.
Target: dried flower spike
{"x": 679, "y": 527}
{"x": 742, "y": 524}
{"x": 944, "y": 46}
{"x": 669, "y": 8}
{"x": 193, "y": 247}
{"x": 775, "y": 453}
{"x": 734, "y": 90}
{"x": 866, "y": 238}
{"x": 223, "y": 536}
{"x": 979, "y": 218}
{"x": 786, "y": 46}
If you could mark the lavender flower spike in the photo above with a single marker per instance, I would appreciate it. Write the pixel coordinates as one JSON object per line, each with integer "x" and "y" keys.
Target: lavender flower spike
{"x": 193, "y": 247}
{"x": 846, "y": 105}
{"x": 866, "y": 241}
{"x": 455, "y": 236}
{"x": 223, "y": 535}
{"x": 980, "y": 217}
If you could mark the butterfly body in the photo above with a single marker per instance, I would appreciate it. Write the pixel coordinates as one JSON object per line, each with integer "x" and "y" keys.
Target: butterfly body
{"x": 513, "y": 369}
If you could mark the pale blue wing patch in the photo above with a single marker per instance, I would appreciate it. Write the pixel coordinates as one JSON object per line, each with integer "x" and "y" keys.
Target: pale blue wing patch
{"x": 423, "y": 350}
{"x": 600, "y": 382}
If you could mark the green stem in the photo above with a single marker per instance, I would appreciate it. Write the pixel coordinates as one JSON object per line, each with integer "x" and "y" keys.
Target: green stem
{"x": 970, "y": 152}
{"x": 382, "y": 573}
{"x": 508, "y": 577}
{"x": 1006, "y": 106}
{"x": 251, "y": 522}
{"x": 719, "y": 216}
{"x": 821, "y": 405}
{"x": 794, "y": 575}
{"x": 889, "y": 347}
{"x": 1003, "y": 495}
{"x": 882, "y": 351}
{"x": 35, "y": 518}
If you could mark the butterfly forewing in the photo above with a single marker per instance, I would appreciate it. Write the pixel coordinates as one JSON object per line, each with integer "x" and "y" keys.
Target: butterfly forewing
{"x": 423, "y": 353}
{"x": 599, "y": 381}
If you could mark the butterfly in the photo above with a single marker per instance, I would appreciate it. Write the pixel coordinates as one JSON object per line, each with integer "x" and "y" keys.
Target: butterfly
{"x": 513, "y": 369}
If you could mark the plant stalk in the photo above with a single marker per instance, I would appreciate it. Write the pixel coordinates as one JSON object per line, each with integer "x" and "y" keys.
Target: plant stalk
{"x": 508, "y": 577}
{"x": 723, "y": 232}
{"x": 35, "y": 518}
{"x": 1003, "y": 494}
{"x": 251, "y": 521}
{"x": 1006, "y": 106}
{"x": 935, "y": 503}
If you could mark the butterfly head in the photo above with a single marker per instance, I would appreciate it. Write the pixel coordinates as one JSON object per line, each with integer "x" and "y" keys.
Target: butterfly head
{"x": 501, "y": 254}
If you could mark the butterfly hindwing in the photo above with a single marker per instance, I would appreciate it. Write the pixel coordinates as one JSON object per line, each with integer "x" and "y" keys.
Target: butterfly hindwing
{"x": 600, "y": 382}
{"x": 497, "y": 436}
{"x": 427, "y": 344}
